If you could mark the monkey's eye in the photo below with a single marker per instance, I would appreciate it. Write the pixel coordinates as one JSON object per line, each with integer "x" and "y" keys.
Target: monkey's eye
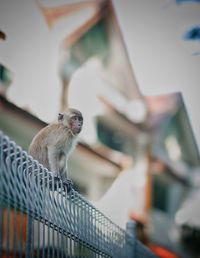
{"x": 80, "y": 118}
{"x": 77, "y": 118}
{"x": 73, "y": 118}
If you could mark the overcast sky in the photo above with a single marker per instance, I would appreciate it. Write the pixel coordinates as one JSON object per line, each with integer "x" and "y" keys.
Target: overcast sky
{"x": 153, "y": 32}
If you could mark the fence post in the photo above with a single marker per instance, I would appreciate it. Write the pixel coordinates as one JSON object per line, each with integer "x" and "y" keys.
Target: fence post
{"x": 130, "y": 239}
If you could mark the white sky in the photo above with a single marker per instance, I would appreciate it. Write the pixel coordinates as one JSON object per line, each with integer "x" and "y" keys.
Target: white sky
{"x": 152, "y": 30}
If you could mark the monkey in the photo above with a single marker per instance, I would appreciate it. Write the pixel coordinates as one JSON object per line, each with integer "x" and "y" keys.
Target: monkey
{"x": 53, "y": 144}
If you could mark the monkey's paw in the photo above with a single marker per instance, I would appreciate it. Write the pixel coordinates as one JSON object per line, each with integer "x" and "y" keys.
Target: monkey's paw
{"x": 68, "y": 184}
{"x": 56, "y": 182}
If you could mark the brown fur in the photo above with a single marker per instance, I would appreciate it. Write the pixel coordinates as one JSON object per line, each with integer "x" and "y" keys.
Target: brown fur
{"x": 53, "y": 144}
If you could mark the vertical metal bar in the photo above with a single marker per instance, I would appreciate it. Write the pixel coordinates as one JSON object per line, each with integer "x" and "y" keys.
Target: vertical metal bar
{"x": 98, "y": 234}
{"x": 62, "y": 222}
{"x": 48, "y": 216}
{"x": 58, "y": 244}
{"x": 75, "y": 248}
{"x": 21, "y": 235}
{"x": 71, "y": 224}
{"x": 65, "y": 205}
{"x": 79, "y": 220}
{"x": 58, "y": 234}
{"x": 8, "y": 210}
{"x": 80, "y": 249}
{"x": 14, "y": 232}
{"x": 53, "y": 216}
{"x": 7, "y": 230}
{"x": 65, "y": 224}
{"x": 32, "y": 238}
{"x": 85, "y": 207}
{"x": 84, "y": 229}
{"x": 38, "y": 239}
{"x": 64, "y": 247}
{"x": 74, "y": 214}
{"x": 43, "y": 240}
{"x": 1, "y": 189}
{"x": 95, "y": 228}
{"x": 29, "y": 234}
{"x": 130, "y": 239}
{"x": 43, "y": 214}
{"x": 26, "y": 184}
{"x": 1, "y": 223}
{"x": 70, "y": 247}
{"x": 53, "y": 243}
{"x": 38, "y": 190}
{"x": 15, "y": 222}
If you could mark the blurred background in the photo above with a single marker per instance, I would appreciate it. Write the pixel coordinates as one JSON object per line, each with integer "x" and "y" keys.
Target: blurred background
{"x": 132, "y": 68}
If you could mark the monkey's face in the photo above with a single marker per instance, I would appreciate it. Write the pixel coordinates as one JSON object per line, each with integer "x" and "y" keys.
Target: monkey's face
{"x": 76, "y": 122}
{"x": 72, "y": 119}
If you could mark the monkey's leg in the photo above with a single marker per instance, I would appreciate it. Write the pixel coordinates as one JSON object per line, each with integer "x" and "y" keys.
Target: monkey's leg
{"x": 59, "y": 174}
{"x": 65, "y": 179}
{"x": 53, "y": 159}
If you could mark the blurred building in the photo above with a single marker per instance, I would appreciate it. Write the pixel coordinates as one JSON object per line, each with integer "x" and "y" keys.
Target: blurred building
{"x": 122, "y": 128}
{"x": 173, "y": 164}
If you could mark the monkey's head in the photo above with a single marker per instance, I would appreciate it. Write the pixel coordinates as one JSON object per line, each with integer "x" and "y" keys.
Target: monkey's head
{"x": 71, "y": 119}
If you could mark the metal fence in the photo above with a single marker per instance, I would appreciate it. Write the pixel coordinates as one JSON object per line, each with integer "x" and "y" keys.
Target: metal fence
{"x": 38, "y": 218}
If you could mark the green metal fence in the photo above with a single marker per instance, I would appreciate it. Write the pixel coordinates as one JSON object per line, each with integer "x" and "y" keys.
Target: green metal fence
{"x": 39, "y": 218}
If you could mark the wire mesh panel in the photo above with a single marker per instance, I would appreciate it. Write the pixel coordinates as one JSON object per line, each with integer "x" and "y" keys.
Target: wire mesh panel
{"x": 40, "y": 218}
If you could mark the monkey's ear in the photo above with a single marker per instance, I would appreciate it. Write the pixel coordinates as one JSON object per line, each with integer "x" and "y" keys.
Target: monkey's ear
{"x": 60, "y": 117}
